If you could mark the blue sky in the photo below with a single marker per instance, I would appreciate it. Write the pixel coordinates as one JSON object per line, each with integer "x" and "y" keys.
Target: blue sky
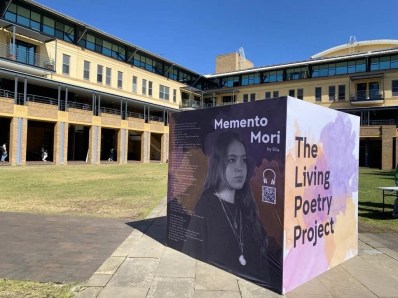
{"x": 192, "y": 33}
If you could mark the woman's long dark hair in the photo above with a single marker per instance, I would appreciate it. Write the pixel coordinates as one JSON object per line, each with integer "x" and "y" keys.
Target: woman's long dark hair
{"x": 243, "y": 197}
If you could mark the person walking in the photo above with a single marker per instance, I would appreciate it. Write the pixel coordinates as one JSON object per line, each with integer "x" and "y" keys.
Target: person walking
{"x": 4, "y": 153}
{"x": 111, "y": 155}
{"x": 44, "y": 154}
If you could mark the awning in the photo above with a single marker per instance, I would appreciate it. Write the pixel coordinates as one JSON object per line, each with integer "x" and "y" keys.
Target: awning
{"x": 367, "y": 76}
{"x": 37, "y": 35}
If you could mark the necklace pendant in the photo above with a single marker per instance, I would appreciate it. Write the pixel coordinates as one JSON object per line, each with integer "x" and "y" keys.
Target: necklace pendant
{"x": 235, "y": 225}
{"x": 242, "y": 260}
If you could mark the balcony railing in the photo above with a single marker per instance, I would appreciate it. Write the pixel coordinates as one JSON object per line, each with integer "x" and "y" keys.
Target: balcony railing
{"x": 378, "y": 122}
{"x": 135, "y": 115}
{"x": 39, "y": 99}
{"x": 110, "y": 111}
{"x": 368, "y": 95}
{"x": 156, "y": 118}
{"x": 226, "y": 103}
{"x": 190, "y": 104}
{"x": 23, "y": 56}
{"x": 6, "y": 94}
{"x": 75, "y": 105}
{"x": 65, "y": 106}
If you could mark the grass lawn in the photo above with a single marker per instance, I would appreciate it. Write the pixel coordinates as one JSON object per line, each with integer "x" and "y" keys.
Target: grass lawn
{"x": 117, "y": 191}
{"x": 370, "y": 205}
{"x": 130, "y": 191}
{"x": 133, "y": 190}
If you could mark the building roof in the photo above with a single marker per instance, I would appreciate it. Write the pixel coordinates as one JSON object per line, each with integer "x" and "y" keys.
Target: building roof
{"x": 362, "y": 49}
{"x": 110, "y": 36}
{"x": 355, "y": 47}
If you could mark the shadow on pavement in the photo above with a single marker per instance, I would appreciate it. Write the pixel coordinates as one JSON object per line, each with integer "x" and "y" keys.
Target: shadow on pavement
{"x": 152, "y": 227}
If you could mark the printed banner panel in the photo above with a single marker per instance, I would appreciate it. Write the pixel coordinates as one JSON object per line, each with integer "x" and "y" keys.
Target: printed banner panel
{"x": 321, "y": 202}
{"x": 226, "y": 188}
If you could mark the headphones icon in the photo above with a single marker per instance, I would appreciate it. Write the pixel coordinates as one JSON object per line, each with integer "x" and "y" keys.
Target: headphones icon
{"x": 265, "y": 178}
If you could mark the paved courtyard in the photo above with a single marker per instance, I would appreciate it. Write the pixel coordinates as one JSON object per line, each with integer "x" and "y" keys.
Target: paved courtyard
{"x": 117, "y": 258}
{"x": 143, "y": 267}
{"x": 56, "y": 248}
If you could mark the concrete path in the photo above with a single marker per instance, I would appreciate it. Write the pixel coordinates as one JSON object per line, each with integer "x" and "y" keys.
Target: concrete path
{"x": 143, "y": 267}
{"x": 56, "y": 248}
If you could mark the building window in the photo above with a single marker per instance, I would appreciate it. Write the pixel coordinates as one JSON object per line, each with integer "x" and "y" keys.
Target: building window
{"x": 24, "y": 53}
{"x": 245, "y": 97}
{"x": 150, "y": 88}
{"x": 228, "y": 99}
{"x": 230, "y": 81}
{"x": 86, "y": 71}
{"x": 143, "y": 87}
{"x": 300, "y": 93}
{"x": 296, "y": 73}
{"x": 332, "y": 69}
{"x": 324, "y": 70}
{"x": 23, "y": 16}
{"x": 172, "y": 74}
{"x": 318, "y": 93}
{"x": 251, "y": 79}
{"x": 272, "y": 76}
{"x": 99, "y": 73}
{"x": 108, "y": 76}
{"x": 374, "y": 90}
{"x": 48, "y": 26}
{"x": 174, "y": 95}
{"x": 11, "y": 13}
{"x": 381, "y": 63}
{"x": 134, "y": 84}
{"x": 252, "y": 96}
{"x": 268, "y": 94}
{"x": 120, "y": 79}
{"x": 31, "y": 19}
{"x": 90, "y": 42}
{"x": 292, "y": 93}
{"x": 341, "y": 92}
{"x": 65, "y": 64}
{"x": 164, "y": 92}
{"x": 394, "y": 87}
{"x": 275, "y": 94}
{"x": 332, "y": 93}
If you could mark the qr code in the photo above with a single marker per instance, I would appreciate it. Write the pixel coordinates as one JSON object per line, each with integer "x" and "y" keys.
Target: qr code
{"x": 269, "y": 194}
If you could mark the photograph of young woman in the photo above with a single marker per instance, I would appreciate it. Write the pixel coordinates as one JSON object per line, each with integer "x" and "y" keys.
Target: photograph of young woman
{"x": 226, "y": 216}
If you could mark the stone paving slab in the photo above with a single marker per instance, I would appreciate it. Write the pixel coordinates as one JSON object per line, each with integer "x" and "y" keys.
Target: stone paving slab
{"x": 147, "y": 247}
{"x": 91, "y": 292}
{"x": 111, "y": 265}
{"x": 122, "y": 292}
{"x": 175, "y": 264}
{"x": 171, "y": 287}
{"x": 210, "y": 278}
{"x": 98, "y": 280}
{"x": 375, "y": 278}
{"x": 135, "y": 272}
{"x": 218, "y": 294}
{"x": 250, "y": 290}
{"x": 56, "y": 248}
{"x": 388, "y": 240}
{"x": 349, "y": 286}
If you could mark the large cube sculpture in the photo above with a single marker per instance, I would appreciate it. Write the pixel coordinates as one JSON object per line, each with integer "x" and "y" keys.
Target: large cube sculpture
{"x": 267, "y": 190}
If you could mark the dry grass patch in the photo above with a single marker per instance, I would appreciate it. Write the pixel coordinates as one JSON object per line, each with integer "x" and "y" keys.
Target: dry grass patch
{"x": 17, "y": 289}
